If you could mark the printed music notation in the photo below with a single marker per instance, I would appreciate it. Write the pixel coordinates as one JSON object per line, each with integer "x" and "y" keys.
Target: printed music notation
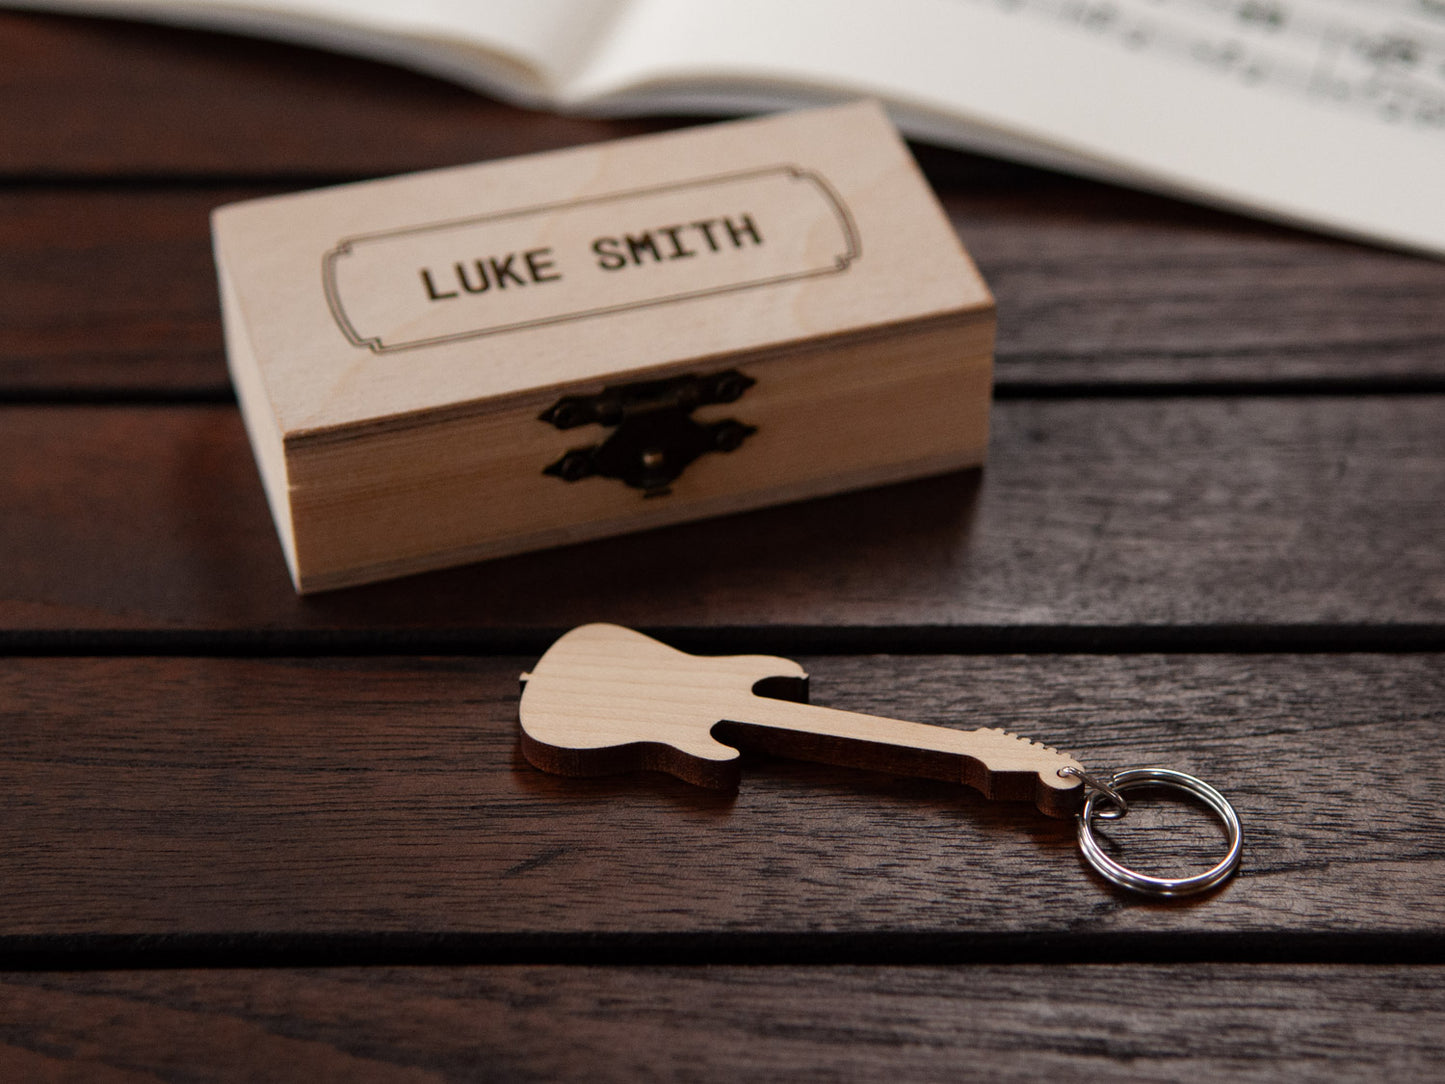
{"x": 1385, "y": 57}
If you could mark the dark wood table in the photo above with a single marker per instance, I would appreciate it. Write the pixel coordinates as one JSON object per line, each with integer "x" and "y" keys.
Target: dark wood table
{"x": 251, "y": 835}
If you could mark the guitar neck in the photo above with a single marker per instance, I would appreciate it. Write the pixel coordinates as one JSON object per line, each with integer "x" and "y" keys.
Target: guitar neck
{"x": 989, "y": 760}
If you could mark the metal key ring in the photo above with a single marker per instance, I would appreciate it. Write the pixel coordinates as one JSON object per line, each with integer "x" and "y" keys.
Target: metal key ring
{"x": 1133, "y": 779}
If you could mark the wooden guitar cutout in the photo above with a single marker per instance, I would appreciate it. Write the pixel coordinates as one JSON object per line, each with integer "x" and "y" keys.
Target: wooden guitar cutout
{"x": 606, "y": 699}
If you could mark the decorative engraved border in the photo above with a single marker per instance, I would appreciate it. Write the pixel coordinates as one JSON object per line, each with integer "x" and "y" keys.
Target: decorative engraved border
{"x": 841, "y": 262}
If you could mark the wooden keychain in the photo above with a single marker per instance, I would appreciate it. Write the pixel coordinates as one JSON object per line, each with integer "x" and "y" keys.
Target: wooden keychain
{"x": 606, "y": 699}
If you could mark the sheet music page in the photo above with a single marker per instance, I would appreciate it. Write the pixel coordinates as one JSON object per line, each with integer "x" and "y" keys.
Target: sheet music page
{"x": 1325, "y": 112}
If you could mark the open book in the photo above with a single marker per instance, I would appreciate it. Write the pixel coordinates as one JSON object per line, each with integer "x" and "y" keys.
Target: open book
{"x": 1324, "y": 113}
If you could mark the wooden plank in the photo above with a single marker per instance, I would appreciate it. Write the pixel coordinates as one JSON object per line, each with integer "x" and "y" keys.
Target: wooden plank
{"x": 108, "y": 99}
{"x": 110, "y": 292}
{"x": 1097, "y": 286}
{"x": 115, "y": 291}
{"x": 1095, "y": 514}
{"x": 224, "y": 808}
{"x": 1238, "y": 1023}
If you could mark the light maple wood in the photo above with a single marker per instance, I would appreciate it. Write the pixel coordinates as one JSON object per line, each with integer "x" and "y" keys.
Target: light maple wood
{"x": 467, "y": 487}
{"x": 393, "y": 377}
{"x": 605, "y": 699}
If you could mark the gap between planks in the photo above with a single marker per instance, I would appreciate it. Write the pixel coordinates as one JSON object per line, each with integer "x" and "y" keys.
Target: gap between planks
{"x": 246, "y": 950}
{"x": 826, "y": 640}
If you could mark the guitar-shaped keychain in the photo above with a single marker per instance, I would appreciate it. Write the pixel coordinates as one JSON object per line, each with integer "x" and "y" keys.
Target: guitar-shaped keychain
{"x": 605, "y": 699}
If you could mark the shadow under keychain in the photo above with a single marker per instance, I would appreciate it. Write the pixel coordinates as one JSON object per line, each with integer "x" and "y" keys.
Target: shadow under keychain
{"x": 606, "y": 699}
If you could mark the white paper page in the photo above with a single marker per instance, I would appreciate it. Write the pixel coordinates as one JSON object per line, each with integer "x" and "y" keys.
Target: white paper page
{"x": 1329, "y": 113}
{"x": 519, "y": 48}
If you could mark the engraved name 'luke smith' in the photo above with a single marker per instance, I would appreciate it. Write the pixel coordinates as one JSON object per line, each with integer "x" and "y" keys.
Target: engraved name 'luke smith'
{"x": 538, "y": 265}
{"x": 442, "y": 282}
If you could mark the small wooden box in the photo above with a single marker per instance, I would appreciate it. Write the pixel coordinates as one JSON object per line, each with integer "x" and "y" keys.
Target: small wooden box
{"x": 477, "y": 361}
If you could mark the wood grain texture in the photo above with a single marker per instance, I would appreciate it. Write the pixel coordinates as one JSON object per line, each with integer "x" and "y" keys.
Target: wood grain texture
{"x": 604, "y": 699}
{"x": 77, "y": 318}
{"x": 107, "y": 99}
{"x": 1236, "y": 1023}
{"x": 1179, "y": 295}
{"x": 1097, "y": 513}
{"x": 235, "y": 811}
{"x": 1174, "y": 294}
{"x": 235, "y": 804}
{"x": 394, "y": 399}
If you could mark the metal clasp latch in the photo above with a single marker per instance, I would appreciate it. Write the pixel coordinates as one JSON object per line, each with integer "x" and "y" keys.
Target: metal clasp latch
{"x": 656, "y": 436}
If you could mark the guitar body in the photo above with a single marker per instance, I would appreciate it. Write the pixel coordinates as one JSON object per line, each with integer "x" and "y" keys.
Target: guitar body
{"x": 606, "y": 699}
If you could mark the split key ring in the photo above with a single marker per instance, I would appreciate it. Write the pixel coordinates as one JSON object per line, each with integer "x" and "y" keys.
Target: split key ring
{"x": 1108, "y": 793}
